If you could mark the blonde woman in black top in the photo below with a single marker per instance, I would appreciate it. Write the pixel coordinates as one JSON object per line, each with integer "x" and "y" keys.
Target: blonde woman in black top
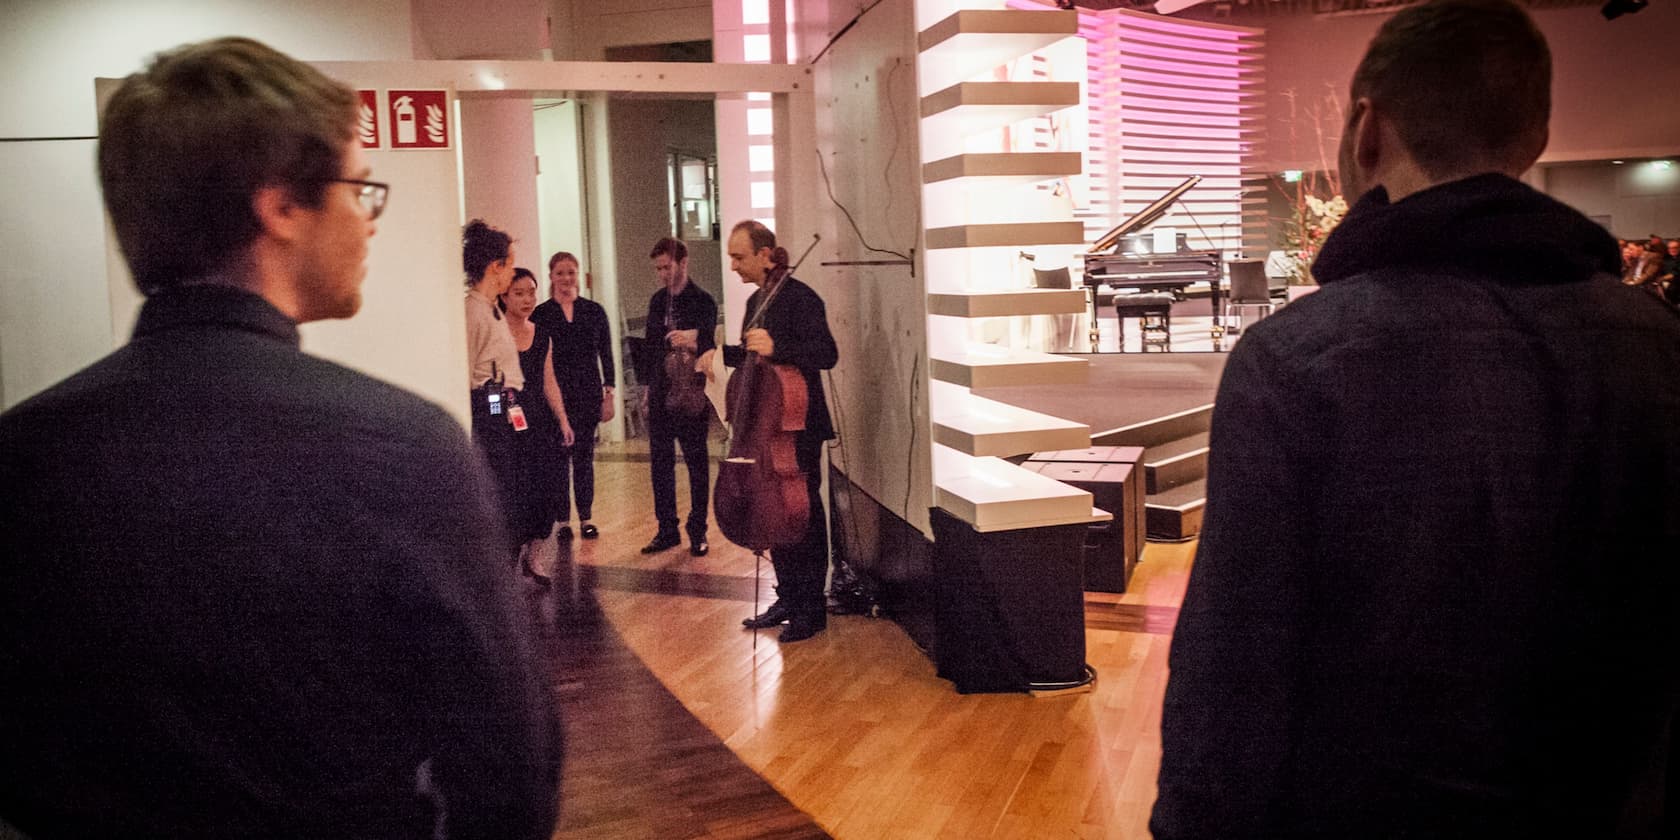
{"x": 583, "y": 365}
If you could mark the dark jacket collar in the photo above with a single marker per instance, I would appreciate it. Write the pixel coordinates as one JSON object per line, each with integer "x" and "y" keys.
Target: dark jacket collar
{"x": 1490, "y": 225}
{"x": 213, "y": 304}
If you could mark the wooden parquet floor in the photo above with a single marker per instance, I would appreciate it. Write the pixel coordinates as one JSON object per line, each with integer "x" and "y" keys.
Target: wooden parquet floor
{"x": 852, "y": 727}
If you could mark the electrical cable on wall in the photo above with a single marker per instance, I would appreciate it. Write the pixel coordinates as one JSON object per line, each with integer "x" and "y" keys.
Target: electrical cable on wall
{"x": 843, "y": 30}
{"x": 855, "y": 229}
{"x": 892, "y": 114}
{"x": 910, "y": 461}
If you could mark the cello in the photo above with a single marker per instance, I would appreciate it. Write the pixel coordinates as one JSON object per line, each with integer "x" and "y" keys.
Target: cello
{"x": 760, "y": 498}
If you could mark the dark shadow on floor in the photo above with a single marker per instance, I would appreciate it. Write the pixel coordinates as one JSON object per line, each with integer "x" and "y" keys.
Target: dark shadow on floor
{"x": 638, "y": 764}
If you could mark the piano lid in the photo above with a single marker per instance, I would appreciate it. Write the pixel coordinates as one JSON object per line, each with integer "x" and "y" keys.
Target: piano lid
{"x": 1144, "y": 218}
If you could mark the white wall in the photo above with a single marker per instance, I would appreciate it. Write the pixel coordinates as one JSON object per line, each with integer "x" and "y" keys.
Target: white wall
{"x": 642, "y": 132}
{"x": 55, "y": 315}
{"x": 585, "y": 29}
{"x": 868, "y": 137}
{"x": 511, "y": 29}
{"x": 1636, "y": 199}
{"x": 1610, "y": 80}
{"x": 499, "y": 172}
{"x": 560, "y": 181}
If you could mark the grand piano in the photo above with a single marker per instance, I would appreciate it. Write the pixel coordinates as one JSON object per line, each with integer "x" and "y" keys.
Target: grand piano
{"x": 1125, "y": 257}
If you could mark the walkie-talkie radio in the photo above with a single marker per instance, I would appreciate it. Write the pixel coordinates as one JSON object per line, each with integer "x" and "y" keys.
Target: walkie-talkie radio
{"x": 493, "y": 391}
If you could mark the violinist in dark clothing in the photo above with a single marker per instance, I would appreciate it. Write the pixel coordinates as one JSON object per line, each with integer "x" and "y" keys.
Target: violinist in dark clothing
{"x": 681, "y": 320}
{"x": 794, "y": 332}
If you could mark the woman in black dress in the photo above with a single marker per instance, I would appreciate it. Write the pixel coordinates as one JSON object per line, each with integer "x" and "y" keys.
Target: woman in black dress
{"x": 583, "y": 365}
{"x": 541, "y": 447}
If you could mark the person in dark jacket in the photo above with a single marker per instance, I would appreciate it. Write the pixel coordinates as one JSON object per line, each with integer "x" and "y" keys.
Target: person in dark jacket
{"x": 787, "y": 323}
{"x": 681, "y": 323}
{"x": 248, "y": 592}
{"x": 583, "y": 364}
{"x": 1437, "y": 592}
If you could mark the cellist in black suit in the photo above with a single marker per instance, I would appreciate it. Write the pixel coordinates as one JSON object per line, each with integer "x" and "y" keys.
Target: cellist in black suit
{"x": 793, "y": 331}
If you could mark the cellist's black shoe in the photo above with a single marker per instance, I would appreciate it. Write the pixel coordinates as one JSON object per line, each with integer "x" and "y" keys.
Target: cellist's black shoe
{"x": 662, "y": 542}
{"x": 699, "y": 548}
{"x": 802, "y": 627}
{"x": 776, "y": 614}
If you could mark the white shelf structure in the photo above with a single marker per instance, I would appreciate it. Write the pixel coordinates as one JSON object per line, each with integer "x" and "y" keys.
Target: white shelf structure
{"x": 1017, "y": 167}
{"x": 993, "y": 366}
{"x": 979, "y": 303}
{"x": 992, "y": 494}
{"x": 984, "y": 202}
{"x": 972, "y": 107}
{"x": 977, "y": 426}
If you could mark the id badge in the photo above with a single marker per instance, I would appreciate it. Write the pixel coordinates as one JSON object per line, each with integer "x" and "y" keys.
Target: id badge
{"x": 516, "y": 416}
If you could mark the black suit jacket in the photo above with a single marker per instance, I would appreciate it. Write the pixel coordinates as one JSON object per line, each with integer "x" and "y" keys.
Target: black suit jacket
{"x": 247, "y": 592}
{"x": 797, "y": 322}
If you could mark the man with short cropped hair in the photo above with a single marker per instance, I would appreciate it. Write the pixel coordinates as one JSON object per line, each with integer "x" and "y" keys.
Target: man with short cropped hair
{"x": 681, "y": 337}
{"x": 1437, "y": 592}
{"x": 786, "y": 323}
{"x": 247, "y": 592}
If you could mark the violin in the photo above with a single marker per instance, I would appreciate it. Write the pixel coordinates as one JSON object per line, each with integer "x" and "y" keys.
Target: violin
{"x": 760, "y": 498}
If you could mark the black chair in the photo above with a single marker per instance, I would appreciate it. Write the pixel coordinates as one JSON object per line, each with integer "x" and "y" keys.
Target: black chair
{"x": 638, "y": 371}
{"x": 1249, "y": 290}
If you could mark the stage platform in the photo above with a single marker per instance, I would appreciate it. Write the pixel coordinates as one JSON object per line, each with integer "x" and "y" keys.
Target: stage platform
{"x": 1159, "y": 401}
{"x": 1123, "y": 389}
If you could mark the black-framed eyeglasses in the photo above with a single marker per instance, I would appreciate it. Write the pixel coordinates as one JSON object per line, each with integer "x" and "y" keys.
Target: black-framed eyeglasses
{"x": 371, "y": 194}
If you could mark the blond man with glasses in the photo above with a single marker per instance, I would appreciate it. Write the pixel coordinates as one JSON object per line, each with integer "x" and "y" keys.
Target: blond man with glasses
{"x": 249, "y": 592}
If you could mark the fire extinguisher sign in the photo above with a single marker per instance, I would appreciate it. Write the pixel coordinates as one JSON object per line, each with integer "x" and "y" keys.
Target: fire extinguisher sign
{"x": 419, "y": 119}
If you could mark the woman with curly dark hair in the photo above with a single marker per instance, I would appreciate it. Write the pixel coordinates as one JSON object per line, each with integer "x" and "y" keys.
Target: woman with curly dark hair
{"x": 501, "y": 426}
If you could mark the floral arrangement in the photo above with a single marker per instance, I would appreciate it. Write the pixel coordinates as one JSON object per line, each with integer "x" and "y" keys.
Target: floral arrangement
{"x": 1311, "y": 223}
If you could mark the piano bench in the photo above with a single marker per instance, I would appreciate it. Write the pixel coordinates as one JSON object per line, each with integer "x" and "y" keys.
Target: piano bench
{"x": 1153, "y": 311}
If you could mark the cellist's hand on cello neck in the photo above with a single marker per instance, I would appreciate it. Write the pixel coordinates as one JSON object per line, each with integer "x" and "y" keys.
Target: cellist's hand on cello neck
{"x": 759, "y": 341}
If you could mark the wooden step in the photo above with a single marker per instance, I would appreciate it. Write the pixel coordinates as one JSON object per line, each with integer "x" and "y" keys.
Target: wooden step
{"x": 1176, "y": 514}
{"x": 973, "y": 41}
{"x": 1177, "y": 462}
{"x": 994, "y": 366}
{"x": 1158, "y": 431}
{"x": 1006, "y": 302}
{"x": 1024, "y": 167}
{"x": 977, "y": 426}
{"x": 968, "y": 108}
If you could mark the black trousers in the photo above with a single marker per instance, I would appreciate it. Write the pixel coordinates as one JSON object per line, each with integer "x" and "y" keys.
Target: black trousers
{"x": 802, "y": 568}
{"x": 664, "y": 432}
{"x": 571, "y": 469}
{"x": 509, "y": 454}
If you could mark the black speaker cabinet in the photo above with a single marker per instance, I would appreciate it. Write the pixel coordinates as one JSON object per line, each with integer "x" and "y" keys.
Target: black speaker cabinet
{"x": 1114, "y": 478}
{"x": 1009, "y": 611}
